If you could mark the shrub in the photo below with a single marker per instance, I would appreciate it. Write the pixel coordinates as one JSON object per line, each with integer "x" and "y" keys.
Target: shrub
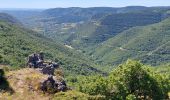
{"x": 130, "y": 81}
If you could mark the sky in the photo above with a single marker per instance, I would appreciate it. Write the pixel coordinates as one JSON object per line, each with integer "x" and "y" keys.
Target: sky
{"x": 79, "y": 3}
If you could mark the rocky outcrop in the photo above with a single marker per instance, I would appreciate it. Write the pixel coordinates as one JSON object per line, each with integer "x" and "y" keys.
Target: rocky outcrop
{"x": 51, "y": 85}
{"x": 49, "y": 69}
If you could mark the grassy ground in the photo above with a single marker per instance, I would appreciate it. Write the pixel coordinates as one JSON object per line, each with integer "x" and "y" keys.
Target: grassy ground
{"x": 25, "y": 86}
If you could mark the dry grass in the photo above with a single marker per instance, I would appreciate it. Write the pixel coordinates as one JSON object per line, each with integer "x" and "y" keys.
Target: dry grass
{"x": 25, "y": 83}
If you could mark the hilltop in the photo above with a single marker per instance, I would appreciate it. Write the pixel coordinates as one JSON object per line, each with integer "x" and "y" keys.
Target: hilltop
{"x": 24, "y": 84}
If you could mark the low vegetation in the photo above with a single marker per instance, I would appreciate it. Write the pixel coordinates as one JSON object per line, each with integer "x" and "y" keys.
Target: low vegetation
{"x": 131, "y": 80}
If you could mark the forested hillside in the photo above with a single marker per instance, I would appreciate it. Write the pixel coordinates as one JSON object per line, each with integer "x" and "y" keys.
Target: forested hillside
{"x": 150, "y": 44}
{"x": 9, "y": 18}
{"x": 17, "y": 43}
{"x": 109, "y": 26}
{"x": 65, "y": 21}
{"x": 103, "y": 26}
{"x": 96, "y": 31}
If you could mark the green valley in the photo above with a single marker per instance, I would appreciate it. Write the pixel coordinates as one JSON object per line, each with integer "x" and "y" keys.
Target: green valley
{"x": 18, "y": 42}
{"x": 76, "y": 53}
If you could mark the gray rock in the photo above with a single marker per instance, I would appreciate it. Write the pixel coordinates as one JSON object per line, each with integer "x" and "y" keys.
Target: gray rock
{"x": 50, "y": 85}
{"x": 48, "y": 70}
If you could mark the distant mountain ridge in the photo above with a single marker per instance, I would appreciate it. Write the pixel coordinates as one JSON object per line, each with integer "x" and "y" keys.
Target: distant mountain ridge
{"x": 8, "y": 18}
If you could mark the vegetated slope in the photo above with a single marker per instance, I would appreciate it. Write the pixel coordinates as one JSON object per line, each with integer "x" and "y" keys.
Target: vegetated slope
{"x": 66, "y": 24}
{"x": 130, "y": 80}
{"x": 24, "y": 16}
{"x": 164, "y": 69}
{"x": 116, "y": 23}
{"x": 104, "y": 26}
{"x": 98, "y": 30}
{"x": 40, "y": 19}
{"x": 150, "y": 44}
{"x": 59, "y": 23}
{"x": 8, "y": 18}
{"x": 88, "y": 35}
{"x": 17, "y": 43}
{"x": 75, "y": 14}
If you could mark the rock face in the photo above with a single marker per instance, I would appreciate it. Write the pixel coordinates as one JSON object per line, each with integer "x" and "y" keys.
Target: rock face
{"x": 50, "y": 85}
{"x": 49, "y": 69}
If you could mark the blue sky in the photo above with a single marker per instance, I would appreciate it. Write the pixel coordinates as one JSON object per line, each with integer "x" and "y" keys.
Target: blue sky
{"x": 79, "y": 3}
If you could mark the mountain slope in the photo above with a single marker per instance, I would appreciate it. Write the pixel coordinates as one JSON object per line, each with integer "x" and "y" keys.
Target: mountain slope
{"x": 151, "y": 44}
{"x": 104, "y": 26}
{"x": 93, "y": 32}
{"x": 66, "y": 24}
{"x": 94, "y": 26}
{"x": 75, "y": 14}
{"x": 8, "y": 18}
{"x": 116, "y": 23}
{"x": 17, "y": 43}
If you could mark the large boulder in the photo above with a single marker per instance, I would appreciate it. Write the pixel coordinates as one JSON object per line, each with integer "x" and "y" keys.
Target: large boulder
{"x": 49, "y": 70}
{"x": 51, "y": 85}
{"x": 62, "y": 86}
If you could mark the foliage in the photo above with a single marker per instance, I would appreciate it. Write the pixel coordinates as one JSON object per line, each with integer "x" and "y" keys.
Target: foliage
{"x": 128, "y": 81}
{"x": 75, "y": 95}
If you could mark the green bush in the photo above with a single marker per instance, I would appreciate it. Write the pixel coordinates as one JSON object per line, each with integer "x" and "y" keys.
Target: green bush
{"x": 131, "y": 81}
{"x": 136, "y": 78}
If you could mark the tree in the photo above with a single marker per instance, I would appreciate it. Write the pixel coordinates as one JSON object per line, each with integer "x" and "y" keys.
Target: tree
{"x": 137, "y": 79}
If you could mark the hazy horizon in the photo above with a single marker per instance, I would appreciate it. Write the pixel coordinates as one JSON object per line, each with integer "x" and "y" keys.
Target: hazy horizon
{"x": 39, "y": 4}
{"x": 73, "y": 7}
